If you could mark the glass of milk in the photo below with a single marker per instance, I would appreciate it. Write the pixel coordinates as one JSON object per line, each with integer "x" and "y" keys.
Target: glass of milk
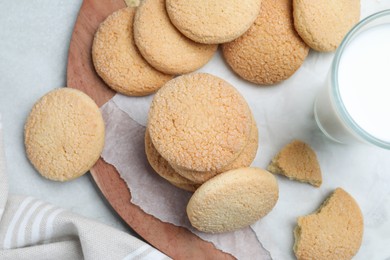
{"x": 354, "y": 106}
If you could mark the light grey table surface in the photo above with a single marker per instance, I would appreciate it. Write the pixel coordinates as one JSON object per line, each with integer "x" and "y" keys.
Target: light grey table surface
{"x": 34, "y": 43}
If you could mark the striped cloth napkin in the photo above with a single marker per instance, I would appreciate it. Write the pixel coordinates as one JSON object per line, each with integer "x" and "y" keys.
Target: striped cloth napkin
{"x": 33, "y": 229}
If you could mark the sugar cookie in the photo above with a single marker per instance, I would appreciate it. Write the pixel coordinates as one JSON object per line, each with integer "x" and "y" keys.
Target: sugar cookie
{"x": 334, "y": 231}
{"x": 117, "y": 60}
{"x": 162, "y": 45}
{"x": 297, "y": 161}
{"x": 212, "y": 21}
{"x": 323, "y": 24}
{"x": 271, "y": 50}
{"x": 64, "y": 134}
{"x": 199, "y": 122}
{"x": 233, "y": 200}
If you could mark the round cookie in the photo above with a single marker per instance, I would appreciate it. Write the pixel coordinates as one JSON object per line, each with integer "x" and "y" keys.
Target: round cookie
{"x": 212, "y": 21}
{"x": 161, "y": 166}
{"x": 245, "y": 159}
{"x": 64, "y": 134}
{"x": 271, "y": 50}
{"x": 334, "y": 231}
{"x": 199, "y": 122}
{"x": 323, "y": 24}
{"x": 117, "y": 60}
{"x": 233, "y": 200}
{"x": 162, "y": 45}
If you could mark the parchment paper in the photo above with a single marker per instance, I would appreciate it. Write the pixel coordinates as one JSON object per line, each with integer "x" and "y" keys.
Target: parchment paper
{"x": 283, "y": 112}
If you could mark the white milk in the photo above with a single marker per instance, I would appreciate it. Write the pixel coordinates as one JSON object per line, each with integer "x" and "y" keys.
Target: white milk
{"x": 364, "y": 85}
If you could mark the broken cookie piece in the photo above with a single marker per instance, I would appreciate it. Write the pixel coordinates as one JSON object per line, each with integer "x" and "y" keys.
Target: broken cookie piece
{"x": 297, "y": 161}
{"x": 334, "y": 231}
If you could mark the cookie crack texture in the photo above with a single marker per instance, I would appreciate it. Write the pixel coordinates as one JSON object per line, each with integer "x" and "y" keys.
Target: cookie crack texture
{"x": 244, "y": 159}
{"x": 323, "y": 25}
{"x": 212, "y": 122}
{"x": 64, "y": 134}
{"x": 271, "y": 50}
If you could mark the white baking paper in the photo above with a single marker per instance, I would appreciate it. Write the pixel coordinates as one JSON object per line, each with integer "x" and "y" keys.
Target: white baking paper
{"x": 283, "y": 112}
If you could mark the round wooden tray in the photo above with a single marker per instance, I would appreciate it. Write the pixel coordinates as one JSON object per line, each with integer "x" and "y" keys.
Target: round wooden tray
{"x": 176, "y": 242}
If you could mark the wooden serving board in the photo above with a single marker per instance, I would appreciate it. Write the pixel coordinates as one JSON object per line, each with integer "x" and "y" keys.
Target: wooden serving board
{"x": 176, "y": 242}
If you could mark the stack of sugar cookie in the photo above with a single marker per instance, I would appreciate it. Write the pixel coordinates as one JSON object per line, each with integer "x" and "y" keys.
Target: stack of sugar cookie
{"x": 199, "y": 126}
{"x": 201, "y": 136}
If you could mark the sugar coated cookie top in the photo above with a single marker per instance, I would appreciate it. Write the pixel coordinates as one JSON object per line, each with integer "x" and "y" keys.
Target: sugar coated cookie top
{"x": 199, "y": 122}
{"x": 64, "y": 134}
